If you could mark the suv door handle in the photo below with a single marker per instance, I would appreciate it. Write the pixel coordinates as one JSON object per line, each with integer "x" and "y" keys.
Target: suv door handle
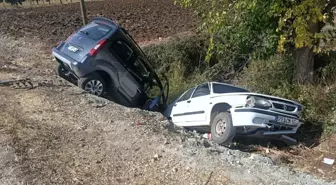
{"x": 188, "y": 101}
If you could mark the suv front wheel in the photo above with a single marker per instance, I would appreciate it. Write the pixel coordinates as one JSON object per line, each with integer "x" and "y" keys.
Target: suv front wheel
{"x": 93, "y": 84}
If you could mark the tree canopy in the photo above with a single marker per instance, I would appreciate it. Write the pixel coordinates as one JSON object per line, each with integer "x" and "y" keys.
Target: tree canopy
{"x": 263, "y": 27}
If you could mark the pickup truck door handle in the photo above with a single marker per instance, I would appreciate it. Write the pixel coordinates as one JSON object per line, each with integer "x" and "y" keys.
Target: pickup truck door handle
{"x": 188, "y": 101}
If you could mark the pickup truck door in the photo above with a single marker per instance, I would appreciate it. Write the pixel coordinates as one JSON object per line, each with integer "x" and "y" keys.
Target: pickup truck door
{"x": 197, "y": 105}
{"x": 180, "y": 107}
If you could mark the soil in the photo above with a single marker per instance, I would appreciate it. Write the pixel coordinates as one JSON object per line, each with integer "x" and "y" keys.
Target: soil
{"x": 53, "y": 133}
{"x": 144, "y": 19}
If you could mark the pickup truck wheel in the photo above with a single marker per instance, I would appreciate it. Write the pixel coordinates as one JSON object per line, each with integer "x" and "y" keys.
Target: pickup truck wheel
{"x": 222, "y": 130}
{"x": 93, "y": 84}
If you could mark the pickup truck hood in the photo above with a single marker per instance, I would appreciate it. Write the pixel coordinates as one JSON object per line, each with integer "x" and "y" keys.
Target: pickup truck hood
{"x": 257, "y": 94}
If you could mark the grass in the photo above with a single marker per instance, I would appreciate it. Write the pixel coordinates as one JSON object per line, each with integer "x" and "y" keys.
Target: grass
{"x": 183, "y": 61}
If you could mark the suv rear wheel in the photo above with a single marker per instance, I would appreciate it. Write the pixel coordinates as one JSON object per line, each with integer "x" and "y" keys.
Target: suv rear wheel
{"x": 93, "y": 84}
{"x": 222, "y": 130}
{"x": 65, "y": 74}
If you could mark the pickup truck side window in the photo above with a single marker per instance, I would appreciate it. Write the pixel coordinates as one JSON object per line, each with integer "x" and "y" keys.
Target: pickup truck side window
{"x": 201, "y": 90}
{"x": 186, "y": 95}
{"x": 221, "y": 88}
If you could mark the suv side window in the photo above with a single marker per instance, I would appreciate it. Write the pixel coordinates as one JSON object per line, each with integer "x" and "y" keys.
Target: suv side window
{"x": 130, "y": 58}
{"x": 202, "y": 90}
{"x": 123, "y": 50}
{"x": 187, "y": 95}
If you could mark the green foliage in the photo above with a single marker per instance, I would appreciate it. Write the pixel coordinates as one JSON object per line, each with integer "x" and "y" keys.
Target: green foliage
{"x": 277, "y": 80}
{"x": 182, "y": 60}
{"x": 259, "y": 27}
{"x": 298, "y": 18}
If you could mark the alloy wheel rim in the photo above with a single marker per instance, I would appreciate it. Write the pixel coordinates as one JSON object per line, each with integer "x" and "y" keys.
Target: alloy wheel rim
{"x": 94, "y": 87}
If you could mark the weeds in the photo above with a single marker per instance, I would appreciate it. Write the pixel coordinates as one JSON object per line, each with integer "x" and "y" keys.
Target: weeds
{"x": 183, "y": 62}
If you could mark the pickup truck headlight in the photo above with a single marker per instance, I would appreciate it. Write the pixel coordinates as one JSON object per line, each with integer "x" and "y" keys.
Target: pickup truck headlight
{"x": 258, "y": 102}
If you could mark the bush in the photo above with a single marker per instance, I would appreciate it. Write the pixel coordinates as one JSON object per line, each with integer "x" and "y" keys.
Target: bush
{"x": 182, "y": 59}
{"x": 275, "y": 77}
{"x": 183, "y": 62}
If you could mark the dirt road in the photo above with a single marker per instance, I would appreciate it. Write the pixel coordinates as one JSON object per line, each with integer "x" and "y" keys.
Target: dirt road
{"x": 55, "y": 134}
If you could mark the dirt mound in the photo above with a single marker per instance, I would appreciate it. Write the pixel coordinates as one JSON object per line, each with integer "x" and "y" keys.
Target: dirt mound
{"x": 144, "y": 19}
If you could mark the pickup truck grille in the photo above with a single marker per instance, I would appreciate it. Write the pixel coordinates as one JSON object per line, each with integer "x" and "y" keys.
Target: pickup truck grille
{"x": 284, "y": 107}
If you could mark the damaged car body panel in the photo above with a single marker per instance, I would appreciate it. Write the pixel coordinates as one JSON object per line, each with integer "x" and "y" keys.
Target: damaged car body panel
{"x": 224, "y": 109}
{"x": 104, "y": 60}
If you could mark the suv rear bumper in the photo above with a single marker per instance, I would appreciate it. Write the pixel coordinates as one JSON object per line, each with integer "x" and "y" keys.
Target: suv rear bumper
{"x": 72, "y": 65}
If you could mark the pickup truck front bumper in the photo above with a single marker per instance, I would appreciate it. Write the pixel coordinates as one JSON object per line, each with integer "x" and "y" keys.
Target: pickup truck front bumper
{"x": 267, "y": 121}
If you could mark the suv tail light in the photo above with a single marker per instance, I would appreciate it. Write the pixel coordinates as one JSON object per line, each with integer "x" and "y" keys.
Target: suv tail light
{"x": 97, "y": 47}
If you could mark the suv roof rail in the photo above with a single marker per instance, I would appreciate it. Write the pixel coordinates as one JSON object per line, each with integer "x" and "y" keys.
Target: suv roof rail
{"x": 110, "y": 21}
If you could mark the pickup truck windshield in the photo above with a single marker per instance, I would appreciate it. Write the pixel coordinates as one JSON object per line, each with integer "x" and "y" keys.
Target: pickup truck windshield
{"x": 221, "y": 88}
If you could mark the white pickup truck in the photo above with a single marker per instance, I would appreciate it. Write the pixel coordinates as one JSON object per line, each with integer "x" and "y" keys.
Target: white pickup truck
{"x": 225, "y": 110}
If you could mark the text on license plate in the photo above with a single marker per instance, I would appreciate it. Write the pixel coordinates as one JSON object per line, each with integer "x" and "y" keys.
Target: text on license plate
{"x": 72, "y": 48}
{"x": 286, "y": 120}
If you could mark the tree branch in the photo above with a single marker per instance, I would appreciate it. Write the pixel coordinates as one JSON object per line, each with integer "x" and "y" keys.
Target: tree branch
{"x": 330, "y": 5}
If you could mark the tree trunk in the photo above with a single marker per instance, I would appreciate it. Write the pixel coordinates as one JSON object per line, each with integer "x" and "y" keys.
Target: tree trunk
{"x": 4, "y": 5}
{"x": 304, "y": 65}
{"x": 304, "y": 59}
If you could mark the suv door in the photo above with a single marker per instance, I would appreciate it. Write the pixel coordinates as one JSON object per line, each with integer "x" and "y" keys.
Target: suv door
{"x": 198, "y": 104}
{"x": 131, "y": 80}
{"x": 180, "y": 108}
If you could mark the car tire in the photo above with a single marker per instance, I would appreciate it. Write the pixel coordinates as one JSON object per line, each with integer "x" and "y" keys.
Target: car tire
{"x": 61, "y": 72}
{"x": 222, "y": 129}
{"x": 93, "y": 84}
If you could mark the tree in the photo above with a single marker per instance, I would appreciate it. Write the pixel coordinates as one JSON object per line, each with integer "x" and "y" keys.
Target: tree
{"x": 264, "y": 27}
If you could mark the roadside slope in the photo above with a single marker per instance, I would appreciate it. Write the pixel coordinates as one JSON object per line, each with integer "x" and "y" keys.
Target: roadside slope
{"x": 60, "y": 135}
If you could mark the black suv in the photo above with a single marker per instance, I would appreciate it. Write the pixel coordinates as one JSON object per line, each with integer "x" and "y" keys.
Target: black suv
{"x": 104, "y": 60}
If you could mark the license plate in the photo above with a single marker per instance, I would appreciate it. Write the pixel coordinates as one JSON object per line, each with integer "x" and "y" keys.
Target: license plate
{"x": 286, "y": 120}
{"x": 72, "y": 48}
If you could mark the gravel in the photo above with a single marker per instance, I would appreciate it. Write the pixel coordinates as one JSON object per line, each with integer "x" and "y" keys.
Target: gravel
{"x": 60, "y": 135}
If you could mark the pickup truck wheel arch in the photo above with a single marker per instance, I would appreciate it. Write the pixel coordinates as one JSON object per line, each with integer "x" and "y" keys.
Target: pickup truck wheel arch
{"x": 217, "y": 108}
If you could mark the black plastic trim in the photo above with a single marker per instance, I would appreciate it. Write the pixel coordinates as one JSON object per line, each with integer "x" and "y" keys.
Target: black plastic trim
{"x": 265, "y": 112}
{"x": 189, "y": 113}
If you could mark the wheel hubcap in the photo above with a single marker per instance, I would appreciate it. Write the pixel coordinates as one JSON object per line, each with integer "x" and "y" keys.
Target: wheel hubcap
{"x": 220, "y": 127}
{"x": 94, "y": 87}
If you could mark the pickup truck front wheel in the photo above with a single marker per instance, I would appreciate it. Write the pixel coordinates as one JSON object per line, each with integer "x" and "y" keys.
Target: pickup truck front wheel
{"x": 222, "y": 129}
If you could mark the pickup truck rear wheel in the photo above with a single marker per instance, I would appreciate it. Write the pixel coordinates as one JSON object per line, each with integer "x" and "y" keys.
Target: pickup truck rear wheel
{"x": 222, "y": 129}
{"x": 93, "y": 84}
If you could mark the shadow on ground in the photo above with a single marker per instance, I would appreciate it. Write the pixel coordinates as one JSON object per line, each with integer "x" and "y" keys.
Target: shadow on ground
{"x": 308, "y": 135}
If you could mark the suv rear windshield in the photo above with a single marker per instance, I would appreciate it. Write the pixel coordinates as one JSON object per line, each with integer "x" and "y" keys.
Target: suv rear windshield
{"x": 96, "y": 31}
